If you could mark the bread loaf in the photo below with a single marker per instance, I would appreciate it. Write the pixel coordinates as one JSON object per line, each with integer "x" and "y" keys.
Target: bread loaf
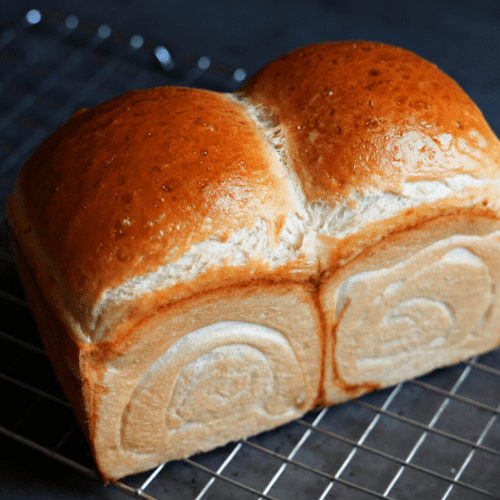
{"x": 206, "y": 266}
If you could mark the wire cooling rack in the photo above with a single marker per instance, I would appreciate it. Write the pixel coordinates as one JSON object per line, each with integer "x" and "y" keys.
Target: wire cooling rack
{"x": 436, "y": 437}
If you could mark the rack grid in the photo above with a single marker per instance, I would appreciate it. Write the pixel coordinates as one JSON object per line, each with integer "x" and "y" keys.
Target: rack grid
{"x": 435, "y": 437}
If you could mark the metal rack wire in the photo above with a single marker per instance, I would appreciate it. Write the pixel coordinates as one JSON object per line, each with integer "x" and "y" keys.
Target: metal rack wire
{"x": 436, "y": 437}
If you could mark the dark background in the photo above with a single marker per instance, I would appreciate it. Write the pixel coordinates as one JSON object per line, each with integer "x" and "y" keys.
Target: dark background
{"x": 462, "y": 37}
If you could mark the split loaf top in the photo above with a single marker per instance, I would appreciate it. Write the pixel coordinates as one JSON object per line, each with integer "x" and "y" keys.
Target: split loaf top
{"x": 324, "y": 151}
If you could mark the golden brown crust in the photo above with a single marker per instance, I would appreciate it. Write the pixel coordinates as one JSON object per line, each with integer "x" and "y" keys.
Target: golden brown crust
{"x": 139, "y": 179}
{"x": 113, "y": 214}
{"x": 369, "y": 115}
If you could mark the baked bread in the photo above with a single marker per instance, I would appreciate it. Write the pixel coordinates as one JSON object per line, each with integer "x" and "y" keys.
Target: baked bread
{"x": 206, "y": 266}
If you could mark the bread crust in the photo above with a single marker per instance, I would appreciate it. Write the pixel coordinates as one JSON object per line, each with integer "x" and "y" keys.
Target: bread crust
{"x": 365, "y": 115}
{"x": 167, "y": 168}
{"x": 139, "y": 226}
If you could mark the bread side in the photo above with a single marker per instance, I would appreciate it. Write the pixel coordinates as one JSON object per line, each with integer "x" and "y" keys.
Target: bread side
{"x": 412, "y": 302}
{"x": 198, "y": 373}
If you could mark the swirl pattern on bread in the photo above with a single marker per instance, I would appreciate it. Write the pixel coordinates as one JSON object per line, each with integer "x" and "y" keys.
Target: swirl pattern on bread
{"x": 220, "y": 375}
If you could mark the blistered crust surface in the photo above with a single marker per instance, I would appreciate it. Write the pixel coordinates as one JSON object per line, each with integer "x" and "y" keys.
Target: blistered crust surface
{"x": 139, "y": 179}
{"x": 361, "y": 115}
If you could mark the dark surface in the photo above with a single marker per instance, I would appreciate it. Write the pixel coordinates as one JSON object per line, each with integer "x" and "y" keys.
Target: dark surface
{"x": 462, "y": 37}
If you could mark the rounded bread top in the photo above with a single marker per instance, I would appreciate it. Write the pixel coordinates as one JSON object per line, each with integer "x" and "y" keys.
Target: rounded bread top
{"x": 365, "y": 115}
{"x": 124, "y": 187}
